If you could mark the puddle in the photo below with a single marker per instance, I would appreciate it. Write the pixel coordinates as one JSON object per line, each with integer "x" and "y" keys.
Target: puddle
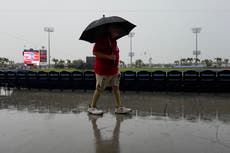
{"x": 57, "y": 122}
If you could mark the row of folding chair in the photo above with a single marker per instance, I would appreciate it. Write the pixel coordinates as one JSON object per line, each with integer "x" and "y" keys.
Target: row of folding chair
{"x": 207, "y": 80}
{"x": 203, "y": 81}
{"x": 48, "y": 80}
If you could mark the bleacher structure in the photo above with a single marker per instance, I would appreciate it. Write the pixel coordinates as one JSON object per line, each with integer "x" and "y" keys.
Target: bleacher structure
{"x": 154, "y": 81}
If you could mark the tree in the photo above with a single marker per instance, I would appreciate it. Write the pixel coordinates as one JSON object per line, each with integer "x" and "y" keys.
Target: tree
{"x": 55, "y": 61}
{"x": 207, "y": 62}
{"x": 11, "y": 62}
{"x": 183, "y": 61}
{"x": 68, "y": 62}
{"x": 6, "y": 60}
{"x": 122, "y": 64}
{"x": 189, "y": 60}
{"x": 177, "y": 62}
{"x": 139, "y": 63}
{"x": 197, "y": 60}
{"x": 218, "y": 61}
{"x": 3, "y": 61}
{"x": 61, "y": 63}
{"x": 226, "y": 62}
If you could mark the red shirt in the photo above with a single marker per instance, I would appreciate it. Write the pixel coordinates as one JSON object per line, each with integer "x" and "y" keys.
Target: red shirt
{"x": 103, "y": 66}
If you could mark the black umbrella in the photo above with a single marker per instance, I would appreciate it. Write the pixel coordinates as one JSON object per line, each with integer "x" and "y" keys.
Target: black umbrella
{"x": 99, "y": 28}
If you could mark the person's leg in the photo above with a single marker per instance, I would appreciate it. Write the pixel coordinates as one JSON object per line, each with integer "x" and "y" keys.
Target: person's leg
{"x": 100, "y": 86}
{"x": 116, "y": 93}
{"x": 96, "y": 96}
{"x": 115, "y": 84}
{"x": 119, "y": 108}
{"x": 92, "y": 107}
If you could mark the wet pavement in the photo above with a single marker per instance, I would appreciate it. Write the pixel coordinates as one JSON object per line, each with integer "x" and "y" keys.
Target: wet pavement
{"x": 57, "y": 122}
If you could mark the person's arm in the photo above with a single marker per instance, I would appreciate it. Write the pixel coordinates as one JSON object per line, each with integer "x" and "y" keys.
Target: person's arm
{"x": 104, "y": 56}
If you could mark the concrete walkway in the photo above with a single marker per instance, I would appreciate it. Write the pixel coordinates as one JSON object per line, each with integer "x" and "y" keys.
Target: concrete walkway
{"x": 57, "y": 122}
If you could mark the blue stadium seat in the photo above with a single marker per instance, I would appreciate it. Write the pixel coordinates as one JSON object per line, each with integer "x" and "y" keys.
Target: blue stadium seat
{"x": 128, "y": 81}
{"x": 22, "y": 79}
{"x": 43, "y": 80}
{"x": 53, "y": 82}
{"x": 89, "y": 80}
{"x": 65, "y": 80}
{"x": 32, "y": 80}
{"x": 190, "y": 80}
{"x": 159, "y": 80}
{"x": 11, "y": 79}
{"x": 207, "y": 81}
{"x": 144, "y": 81}
{"x": 174, "y": 80}
{"x": 77, "y": 80}
{"x": 223, "y": 81}
{"x": 3, "y": 81}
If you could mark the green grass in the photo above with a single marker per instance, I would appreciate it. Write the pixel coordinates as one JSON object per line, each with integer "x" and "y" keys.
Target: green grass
{"x": 163, "y": 69}
{"x": 56, "y": 70}
{"x": 125, "y": 69}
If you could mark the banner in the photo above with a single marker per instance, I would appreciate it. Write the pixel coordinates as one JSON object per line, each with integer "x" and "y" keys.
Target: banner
{"x": 31, "y": 57}
{"x": 43, "y": 55}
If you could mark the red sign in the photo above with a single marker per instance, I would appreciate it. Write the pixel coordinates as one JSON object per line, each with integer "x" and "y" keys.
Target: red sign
{"x": 31, "y": 57}
{"x": 43, "y": 56}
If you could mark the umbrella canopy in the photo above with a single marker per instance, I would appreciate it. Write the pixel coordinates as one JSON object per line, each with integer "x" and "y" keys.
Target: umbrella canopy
{"x": 99, "y": 28}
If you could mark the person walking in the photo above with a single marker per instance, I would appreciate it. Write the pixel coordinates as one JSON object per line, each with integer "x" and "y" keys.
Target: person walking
{"x": 107, "y": 71}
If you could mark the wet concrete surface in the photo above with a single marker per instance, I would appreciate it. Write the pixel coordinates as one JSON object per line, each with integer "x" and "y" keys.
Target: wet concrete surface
{"x": 57, "y": 122}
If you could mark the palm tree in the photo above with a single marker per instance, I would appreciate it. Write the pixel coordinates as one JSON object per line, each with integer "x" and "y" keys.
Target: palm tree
{"x": 61, "y": 61}
{"x": 3, "y": 61}
{"x": 122, "y": 64}
{"x": 183, "y": 61}
{"x": 197, "y": 60}
{"x": 11, "y": 63}
{"x": 177, "y": 62}
{"x": 189, "y": 60}
{"x": 68, "y": 61}
{"x": 226, "y": 62}
{"x": 208, "y": 62}
{"x": 139, "y": 63}
{"x": 218, "y": 61}
{"x": 55, "y": 61}
{"x": 6, "y": 60}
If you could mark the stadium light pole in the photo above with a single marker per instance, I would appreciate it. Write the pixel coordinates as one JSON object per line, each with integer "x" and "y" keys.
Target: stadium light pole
{"x": 196, "y": 52}
{"x": 49, "y": 30}
{"x": 131, "y": 53}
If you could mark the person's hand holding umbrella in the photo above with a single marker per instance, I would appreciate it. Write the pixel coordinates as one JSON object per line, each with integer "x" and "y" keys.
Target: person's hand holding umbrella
{"x": 108, "y": 57}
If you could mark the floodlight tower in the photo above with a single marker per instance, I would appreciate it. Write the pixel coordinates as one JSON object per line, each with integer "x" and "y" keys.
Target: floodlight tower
{"x": 49, "y": 30}
{"x": 131, "y": 53}
{"x": 196, "y": 52}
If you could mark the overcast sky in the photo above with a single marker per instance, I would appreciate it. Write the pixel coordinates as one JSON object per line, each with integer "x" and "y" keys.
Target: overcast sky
{"x": 163, "y": 29}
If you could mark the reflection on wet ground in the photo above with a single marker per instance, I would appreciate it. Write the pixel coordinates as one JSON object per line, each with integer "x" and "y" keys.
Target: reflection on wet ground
{"x": 4, "y": 91}
{"x": 57, "y": 122}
